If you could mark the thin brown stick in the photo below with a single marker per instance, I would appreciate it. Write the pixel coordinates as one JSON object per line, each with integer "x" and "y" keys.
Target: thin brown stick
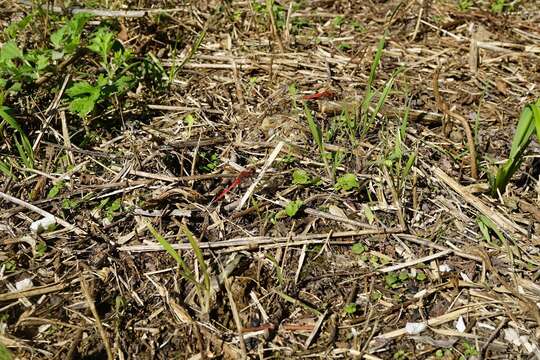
{"x": 427, "y": 243}
{"x": 236, "y": 317}
{"x": 431, "y": 322}
{"x": 499, "y": 219}
{"x": 265, "y": 167}
{"x": 41, "y": 290}
{"x": 483, "y": 351}
{"x": 173, "y": 179}
{"x": 275, "y": 32}
{"x": 415, "y": 261}
{"x": 65, "y": 135}
{"x": 90, "y": 302}
{"x": 315, "y": 330}
{"x": 74, "y": 345}
{"x": 395, "y": 197}
{"x": 41, "y": 212}
{"x": 261, "y": 240}
{"x": 96, "y": 12}
{"x": 441, "y": 104}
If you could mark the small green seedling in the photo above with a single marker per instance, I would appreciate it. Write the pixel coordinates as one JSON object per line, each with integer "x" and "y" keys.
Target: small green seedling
{"x": 370, "y": 92}
{"x": 120, "y": 304}
{"x": 394, "y": 280}
{"x": 338, "y": 21}
{"x": 288, "y": 159}
{"x": 344, "y": 46}
{"x": 400, "y": 355}
{"x": 465, "y": 5}
{"x": 19, "y": 68}
{"x": 15, "y": 27}
{"x": 210, "y": 161}
{"x": 528, "y": 121}
{"x": 55, "y": 190}
{"x": 189, "y": 120}
{"x": 22, "y": 143}
{"x": 391, "y": 279}
{"x": 350, "y": 308}
{"x": 403, "y": 276}
{"x": 358, "y": 248}
{"x": 486, "y": 226}
{"x": 202, "y": 287}
{"x": 67, "y": 39}
{"x": 41, "y": 247}
{"x": 290, "y": 210}
{"x": 173, "y": 253}
{"x": 499, "y": 6}
{"x": 116, "y": 61}
{"x": 9, "y": 265}
{"x": 302, "y": 177}
{"x": 293, "y": 92}
{"x": 278, "y": 12}
{"x": 84, "y": 96}
{"x": 113, "y": 208}
{"x": 376, "y": 295}
{"x": 6, "y": 169}
{"x": 469, "y": 351}
{"x": 357, "y": 26}
{"x": 102, "y": 44}
{"x": 292, "y": 207}
{"x": 314, "y": 128}
{"x": 347, "y": 182}
{"x": 204, "y": 269}
{"x": 316, "y": 133}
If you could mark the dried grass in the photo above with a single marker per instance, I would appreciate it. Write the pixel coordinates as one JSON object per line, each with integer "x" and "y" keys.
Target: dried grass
{"x": 270, "y": 275}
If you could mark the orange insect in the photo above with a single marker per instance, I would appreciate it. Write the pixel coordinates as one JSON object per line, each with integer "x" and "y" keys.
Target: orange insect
{"x": 320, "y": 95}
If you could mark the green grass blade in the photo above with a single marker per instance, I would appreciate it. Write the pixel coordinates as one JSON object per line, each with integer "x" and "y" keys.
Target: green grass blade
{"x": 365, "y": 103}
{"x": 524, "y": 130}
{"x": 373, "y": 72}
{"x": 405, "y": 121}
{"x": 24, "y": 147}
{"x": 174, "y": 254}
{"x": 293, "y": 92}
{"x": 536, "y": 114}
{"x": 376, "y": 60}
{"x": 520, "y": 141}
{"x": 381, "y": 101}
{"x": 5, "y": 354}
{"x": 408, "y": 166}
{"x": 279, "y": 272}
{"x": 198, "y": 253}
{"x": 194, "y": 49}
{"x": 314, "y": 128}
{"x": 22, "y": 154}
{"x": 6, "y": 169}
{"x": 9, "y": 119}
{"x": 28, "y": 151}
{"x": 298, "y": 302}
{"x": 384, "y": 95}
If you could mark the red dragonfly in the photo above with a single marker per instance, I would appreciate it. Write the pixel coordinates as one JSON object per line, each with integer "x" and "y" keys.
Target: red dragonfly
{"x": 319, "y": 95}
{"x": 235, "y": 183}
